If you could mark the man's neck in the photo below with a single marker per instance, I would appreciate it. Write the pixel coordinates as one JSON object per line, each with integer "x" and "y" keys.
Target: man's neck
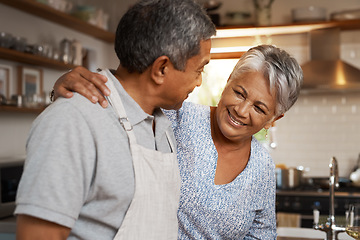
{"x": 138, "y": 87}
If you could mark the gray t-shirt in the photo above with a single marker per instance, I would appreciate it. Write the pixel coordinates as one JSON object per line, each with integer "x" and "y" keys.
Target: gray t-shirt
{"x": 78, "y": 172}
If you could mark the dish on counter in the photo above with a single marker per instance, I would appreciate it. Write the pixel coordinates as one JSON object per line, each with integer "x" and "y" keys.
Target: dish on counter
{"x": 345, "y": 15}
{"x": 308, "y": 14}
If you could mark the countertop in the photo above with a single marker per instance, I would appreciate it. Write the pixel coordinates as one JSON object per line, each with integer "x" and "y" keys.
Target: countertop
{"x": 293, "y": 233}
{"x": 8, "y": 225}
{"x": 296, "y": 238}
{"x": 8, "y": 229}
{"x": 323, "y": 193}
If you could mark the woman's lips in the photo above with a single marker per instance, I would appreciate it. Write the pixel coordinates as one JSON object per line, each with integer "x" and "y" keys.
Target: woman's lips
{"x": 235, "y": 121}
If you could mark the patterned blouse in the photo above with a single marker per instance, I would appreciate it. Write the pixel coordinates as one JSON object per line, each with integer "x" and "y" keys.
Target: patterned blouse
{"x": 241, "y": 209}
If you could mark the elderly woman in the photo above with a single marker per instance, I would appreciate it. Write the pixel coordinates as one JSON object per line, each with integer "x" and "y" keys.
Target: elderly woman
{"x": 228, "y": 177}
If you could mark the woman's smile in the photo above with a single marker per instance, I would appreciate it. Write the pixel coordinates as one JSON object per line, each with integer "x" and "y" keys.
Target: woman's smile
{"x": 235, "y": 121}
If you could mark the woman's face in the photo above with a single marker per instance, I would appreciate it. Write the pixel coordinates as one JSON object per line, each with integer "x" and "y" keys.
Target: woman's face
{"x": 246, "y": 106}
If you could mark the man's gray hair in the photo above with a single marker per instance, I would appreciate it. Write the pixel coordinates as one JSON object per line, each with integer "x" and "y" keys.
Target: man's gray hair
{"x": 153, "y": 28}
{"x": 283, "y": 72}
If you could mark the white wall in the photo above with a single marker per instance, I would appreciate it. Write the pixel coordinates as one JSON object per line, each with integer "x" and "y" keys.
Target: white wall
{"x": 14, "y": 127}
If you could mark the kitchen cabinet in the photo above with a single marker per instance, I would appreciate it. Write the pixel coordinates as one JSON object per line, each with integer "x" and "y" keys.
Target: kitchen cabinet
{"x": 294, "y": 28}
{"x": 43, "y": 11}
{"x": 12, "y": 55}
{"x": 286, "y": 29}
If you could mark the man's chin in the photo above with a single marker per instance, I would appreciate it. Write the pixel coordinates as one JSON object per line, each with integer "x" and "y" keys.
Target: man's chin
{"x": 174, "y": 107}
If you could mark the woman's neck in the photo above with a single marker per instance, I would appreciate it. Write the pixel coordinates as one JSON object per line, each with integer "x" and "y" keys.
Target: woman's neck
{"x": 232, "y": 156}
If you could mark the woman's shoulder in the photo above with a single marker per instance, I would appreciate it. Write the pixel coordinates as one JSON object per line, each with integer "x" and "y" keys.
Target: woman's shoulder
{"x": 190, "y": 107}
{"x": 189, "y": 112}
{"x": 260, "y": 153}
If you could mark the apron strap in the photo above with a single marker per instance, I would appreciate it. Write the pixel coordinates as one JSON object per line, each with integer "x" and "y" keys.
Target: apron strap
{"x": 172, "y": 144}
{"x": 116, "y": 103}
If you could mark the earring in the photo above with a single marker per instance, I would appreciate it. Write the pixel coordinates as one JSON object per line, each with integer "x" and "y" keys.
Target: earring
{"x": 266, "y": 133}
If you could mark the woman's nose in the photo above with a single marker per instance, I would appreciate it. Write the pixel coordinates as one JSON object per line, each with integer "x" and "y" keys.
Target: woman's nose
{"x": 242, "y": 109}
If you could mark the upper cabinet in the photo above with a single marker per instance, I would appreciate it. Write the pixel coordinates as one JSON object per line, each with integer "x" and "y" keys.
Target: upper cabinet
{"x": 44, "y": 11}
{"x": 286, "y": 29}
{"x": 233, "y": 31}
{"x": 48, "y": 13}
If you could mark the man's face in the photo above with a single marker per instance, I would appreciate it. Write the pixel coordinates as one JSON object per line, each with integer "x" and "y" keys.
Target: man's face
{"x": 181, "y": 83}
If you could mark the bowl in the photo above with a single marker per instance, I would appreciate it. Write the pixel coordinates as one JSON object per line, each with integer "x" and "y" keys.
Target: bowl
{"x": 6, "y": 40}
{"x": 308, "y": 14}
{"x": 345, "y": 15}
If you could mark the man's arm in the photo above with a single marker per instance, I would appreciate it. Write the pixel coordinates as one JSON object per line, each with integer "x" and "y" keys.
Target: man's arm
{"x": 31, "y": 228}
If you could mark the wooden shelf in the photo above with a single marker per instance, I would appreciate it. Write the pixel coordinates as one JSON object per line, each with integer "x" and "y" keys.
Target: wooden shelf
{"x": 43, "y": 11}
{"x": 5, "y": 108}
{"x": 28, "y": 58}
{"x": 226, "y": 55}
{"x": 241, "y": 31}
{"x": 46, "y": 12}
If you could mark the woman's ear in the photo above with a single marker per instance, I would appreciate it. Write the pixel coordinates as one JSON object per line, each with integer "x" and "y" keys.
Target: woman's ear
{"x": 272, "y": 123}
{"x": 159, "y": 69}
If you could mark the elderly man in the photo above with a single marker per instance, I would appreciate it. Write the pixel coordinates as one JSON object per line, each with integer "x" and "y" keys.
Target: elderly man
{"x": 95, "y": 173}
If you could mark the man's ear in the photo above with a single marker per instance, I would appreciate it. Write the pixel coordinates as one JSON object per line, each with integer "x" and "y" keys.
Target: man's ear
{"x": 159, "y": 69}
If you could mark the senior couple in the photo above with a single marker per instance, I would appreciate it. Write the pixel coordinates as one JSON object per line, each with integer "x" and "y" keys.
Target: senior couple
{"x": 111, "y": 172}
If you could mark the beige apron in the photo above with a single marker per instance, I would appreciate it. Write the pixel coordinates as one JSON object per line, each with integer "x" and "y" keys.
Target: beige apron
{"x": 152, "y": 214}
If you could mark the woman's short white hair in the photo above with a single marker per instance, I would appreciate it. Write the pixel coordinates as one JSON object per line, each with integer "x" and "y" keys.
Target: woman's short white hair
{"x": 283, "y": 72}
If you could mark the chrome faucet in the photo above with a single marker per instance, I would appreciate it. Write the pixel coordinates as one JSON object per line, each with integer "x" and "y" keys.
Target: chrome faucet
{"x": 330, "y": 227}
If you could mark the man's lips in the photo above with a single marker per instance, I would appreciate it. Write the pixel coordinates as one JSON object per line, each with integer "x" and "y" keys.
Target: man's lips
{"x": 236, "y": 122}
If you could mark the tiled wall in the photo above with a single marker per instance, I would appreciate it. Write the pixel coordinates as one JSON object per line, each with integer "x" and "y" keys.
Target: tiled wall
{"x": 318, "y": 127}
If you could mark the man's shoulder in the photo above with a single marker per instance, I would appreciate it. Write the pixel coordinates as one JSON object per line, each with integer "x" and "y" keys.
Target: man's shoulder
{"x": 74, "y": 111}
{"x": 77, "y": 103}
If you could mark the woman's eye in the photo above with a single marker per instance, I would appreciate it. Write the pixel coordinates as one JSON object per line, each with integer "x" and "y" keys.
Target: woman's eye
{"x": 239, "y": 94}
{"x": 259, "y": 109}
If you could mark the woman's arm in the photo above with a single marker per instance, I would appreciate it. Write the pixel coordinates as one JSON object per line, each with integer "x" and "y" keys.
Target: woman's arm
{"x": 264, "y": 224}
{"x": 90, "y": 85}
